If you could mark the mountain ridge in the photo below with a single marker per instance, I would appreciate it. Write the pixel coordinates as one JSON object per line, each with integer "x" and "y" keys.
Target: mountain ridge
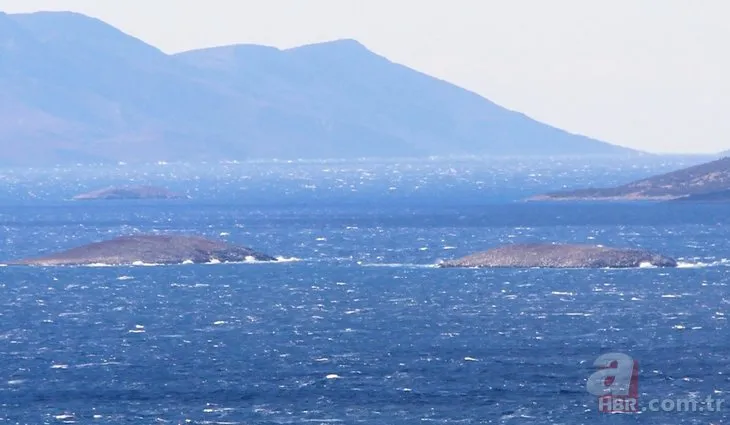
{"x": 80, "y": 90}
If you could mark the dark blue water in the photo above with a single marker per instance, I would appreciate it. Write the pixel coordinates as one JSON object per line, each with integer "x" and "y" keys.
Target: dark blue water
{"x": 362, "y": 328}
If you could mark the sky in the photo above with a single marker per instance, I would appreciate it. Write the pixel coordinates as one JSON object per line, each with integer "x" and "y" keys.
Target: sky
{"x": 647, "y": 74}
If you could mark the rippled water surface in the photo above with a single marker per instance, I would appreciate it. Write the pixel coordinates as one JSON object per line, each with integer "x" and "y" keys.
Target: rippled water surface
{"x": 361, "y": 328}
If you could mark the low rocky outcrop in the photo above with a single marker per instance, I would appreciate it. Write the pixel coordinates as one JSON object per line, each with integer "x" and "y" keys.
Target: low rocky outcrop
{"x": 130, "y": 192}
{"x": 562, "y": 256}
{"x": 150, "y": 249}
{"x": 720, "y": 196}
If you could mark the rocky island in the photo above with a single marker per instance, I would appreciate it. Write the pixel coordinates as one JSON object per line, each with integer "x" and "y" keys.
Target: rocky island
{"x": 130, "y": 192}
{"x": 690, "y": 183}
{"x": 562, "y": 256}
{"x": 149, "y": 249}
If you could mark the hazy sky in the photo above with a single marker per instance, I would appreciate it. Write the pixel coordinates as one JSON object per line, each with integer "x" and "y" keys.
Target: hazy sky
{"x": 650, "y": 74}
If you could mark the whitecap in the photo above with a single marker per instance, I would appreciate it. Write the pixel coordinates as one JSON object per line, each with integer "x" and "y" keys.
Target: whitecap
{"x": 142, "y": 263}
{"x": 700, "y": 264}
{"x": 99, "y": 265}
{"x": 125, "y": 278}
{"x": 686, "y": 265}
{"x": 287, "y": 259}
{"x": 333, "y": 376}
{"x": 423, "y": 266}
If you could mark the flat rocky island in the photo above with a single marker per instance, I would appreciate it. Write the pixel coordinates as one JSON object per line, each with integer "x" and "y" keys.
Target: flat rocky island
{"x": 130, "y": 192}
{"x": 149, "y": 249}
{"x": 562, "y": 256}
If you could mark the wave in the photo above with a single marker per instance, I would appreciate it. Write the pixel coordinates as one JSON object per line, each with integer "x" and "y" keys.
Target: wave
{"x": 645, "y": 265}
{"x": 142, "y": 263}
{"x": 288, "y": 259}
{"x": 252, "y": 260}
{"x": 214, "y": 261}
{"x": 701, "y": 264}
{"x": 396, "y": 265}
{"x": 682, "y": 264}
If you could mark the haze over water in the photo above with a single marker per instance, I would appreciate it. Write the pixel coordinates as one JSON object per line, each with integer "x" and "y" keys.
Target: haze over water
{"x": 359, "y": 327}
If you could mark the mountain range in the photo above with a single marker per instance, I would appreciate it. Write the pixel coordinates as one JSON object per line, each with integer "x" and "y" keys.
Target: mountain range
{"x": 75, "y": 89}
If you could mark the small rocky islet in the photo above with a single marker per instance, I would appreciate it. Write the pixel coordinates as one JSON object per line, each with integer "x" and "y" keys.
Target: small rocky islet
{"x": 149, "y": 249}
{"x": 561, "y": 256}
{"x": 180, "y": 249}
{"x": 129, "y": 192}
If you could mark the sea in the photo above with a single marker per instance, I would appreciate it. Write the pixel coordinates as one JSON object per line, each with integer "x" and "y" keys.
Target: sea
{"x": 356, "y": 324}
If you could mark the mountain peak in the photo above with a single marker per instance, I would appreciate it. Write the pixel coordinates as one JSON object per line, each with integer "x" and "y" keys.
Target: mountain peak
{"x": 80, "y": 31}
{"x": 345, "y": 43}
{"x": 63, "y": 21}
{"x": 339, "y": 45}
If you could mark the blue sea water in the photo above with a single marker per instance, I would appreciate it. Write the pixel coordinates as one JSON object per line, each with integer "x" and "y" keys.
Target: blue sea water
{"x": 358, "y": 327}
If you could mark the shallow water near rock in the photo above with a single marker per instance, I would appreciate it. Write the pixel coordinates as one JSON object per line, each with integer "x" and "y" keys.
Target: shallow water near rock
{"x": 362, "y": 328}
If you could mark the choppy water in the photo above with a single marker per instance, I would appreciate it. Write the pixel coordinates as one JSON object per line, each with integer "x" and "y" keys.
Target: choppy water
{"x": 362, "y": 329}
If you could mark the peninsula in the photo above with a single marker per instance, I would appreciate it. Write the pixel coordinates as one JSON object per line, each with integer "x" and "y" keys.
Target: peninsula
{"x": 692, "y": 183}
{"x": 562, "y": 256}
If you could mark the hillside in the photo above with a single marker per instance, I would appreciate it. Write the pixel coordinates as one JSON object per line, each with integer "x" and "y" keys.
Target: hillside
{"x": 74, "y": 89}
{"x": 699, "y": 182}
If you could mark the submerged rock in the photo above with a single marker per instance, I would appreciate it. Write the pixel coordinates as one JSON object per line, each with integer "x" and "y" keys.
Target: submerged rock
{"x": 130, "y": 192}
{"x": 150, "y": 249}
{"x": 562, "y": 256}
